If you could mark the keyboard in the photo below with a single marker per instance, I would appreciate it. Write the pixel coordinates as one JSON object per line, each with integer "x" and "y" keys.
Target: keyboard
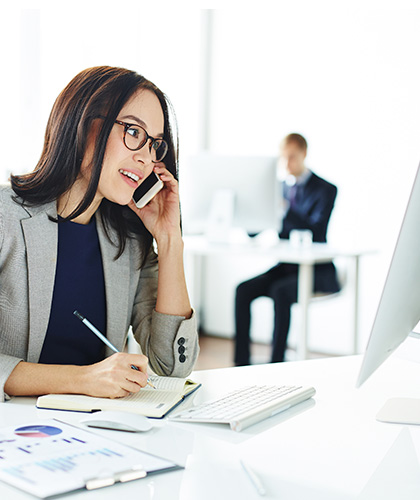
{"x": 246, "y": 406}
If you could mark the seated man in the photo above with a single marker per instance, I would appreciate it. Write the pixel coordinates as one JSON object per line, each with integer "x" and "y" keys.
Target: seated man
{"x": 310, "y": 202}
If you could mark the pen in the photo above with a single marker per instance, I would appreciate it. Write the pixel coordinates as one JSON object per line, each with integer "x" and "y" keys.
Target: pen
{"x": 255, "y": 480}
{"x": 93, "y": 329}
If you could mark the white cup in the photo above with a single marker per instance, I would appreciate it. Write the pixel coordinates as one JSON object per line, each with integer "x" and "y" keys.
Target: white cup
{"x": 300, "y": 238}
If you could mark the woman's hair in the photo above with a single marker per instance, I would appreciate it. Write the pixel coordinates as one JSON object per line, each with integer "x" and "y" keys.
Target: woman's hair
{"x": 100, "y": 91}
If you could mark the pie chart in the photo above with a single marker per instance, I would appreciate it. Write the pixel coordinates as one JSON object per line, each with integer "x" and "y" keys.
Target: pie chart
{"x": 37, "y": 431}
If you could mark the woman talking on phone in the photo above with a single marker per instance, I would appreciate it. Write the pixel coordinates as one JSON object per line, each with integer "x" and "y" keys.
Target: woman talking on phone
{"x": 71, "y": 238}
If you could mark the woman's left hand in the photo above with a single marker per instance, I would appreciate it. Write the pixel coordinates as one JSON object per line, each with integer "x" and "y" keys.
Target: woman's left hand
{"x": 161, "y": 215}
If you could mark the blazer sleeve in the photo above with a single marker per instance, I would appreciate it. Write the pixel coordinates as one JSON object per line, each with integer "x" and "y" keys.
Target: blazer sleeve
{"x": 7, "y": 363}
{"x": 170, "y": 342}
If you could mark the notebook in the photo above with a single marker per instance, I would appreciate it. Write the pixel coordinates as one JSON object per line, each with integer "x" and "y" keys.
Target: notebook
{"x": 155, "y": 403}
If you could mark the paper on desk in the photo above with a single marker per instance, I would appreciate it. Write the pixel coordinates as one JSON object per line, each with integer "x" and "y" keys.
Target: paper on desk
{"x": 49, "y": 457}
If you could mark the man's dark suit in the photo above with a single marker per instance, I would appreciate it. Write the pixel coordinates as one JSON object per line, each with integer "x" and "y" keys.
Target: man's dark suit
{"x": 311, "y": 209}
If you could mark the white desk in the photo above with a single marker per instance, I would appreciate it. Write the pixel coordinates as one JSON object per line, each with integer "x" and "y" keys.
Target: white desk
{"x": 198, "y": 247}
{"x": 330, "y": 449}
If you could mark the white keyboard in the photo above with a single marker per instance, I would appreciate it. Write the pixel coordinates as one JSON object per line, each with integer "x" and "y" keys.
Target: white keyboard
{"x": 247, "y": 406}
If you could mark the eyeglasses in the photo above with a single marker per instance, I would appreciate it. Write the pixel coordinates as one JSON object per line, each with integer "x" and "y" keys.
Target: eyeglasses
{"x": 135, "y": 137}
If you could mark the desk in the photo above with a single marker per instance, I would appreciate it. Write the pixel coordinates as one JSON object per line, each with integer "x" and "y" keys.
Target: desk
{"x": 198, "y": 247}
{"x": 329, "y": 449}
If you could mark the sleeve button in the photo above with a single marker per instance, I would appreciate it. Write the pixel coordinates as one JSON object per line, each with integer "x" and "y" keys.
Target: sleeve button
{"x": 182, "y": 358}
{"x": 181, "y": 341}
{"x": 181, "y": 349}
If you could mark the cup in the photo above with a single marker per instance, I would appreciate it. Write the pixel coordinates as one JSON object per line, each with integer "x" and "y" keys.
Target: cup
{"x": 300, "y": 238}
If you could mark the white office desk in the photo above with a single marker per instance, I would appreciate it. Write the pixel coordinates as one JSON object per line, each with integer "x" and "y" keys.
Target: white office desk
{"x": 198, "y": 247}
{"x": 331, "y": 448}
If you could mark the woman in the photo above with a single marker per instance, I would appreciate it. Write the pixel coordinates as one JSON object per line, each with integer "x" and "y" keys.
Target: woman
{"x": 72, "y": 238}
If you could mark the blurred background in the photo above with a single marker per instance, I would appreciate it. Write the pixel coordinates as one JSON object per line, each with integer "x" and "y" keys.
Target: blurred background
{"x": 241, "y": 78}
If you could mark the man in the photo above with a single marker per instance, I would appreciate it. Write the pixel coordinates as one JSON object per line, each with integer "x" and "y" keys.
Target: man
{"x": 310, "y": 201}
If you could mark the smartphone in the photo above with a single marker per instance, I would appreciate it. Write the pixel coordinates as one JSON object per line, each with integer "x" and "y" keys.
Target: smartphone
{"x": 149, "y": 188}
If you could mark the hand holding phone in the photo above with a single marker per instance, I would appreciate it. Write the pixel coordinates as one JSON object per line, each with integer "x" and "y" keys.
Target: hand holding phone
{"x": 149, "y": 188}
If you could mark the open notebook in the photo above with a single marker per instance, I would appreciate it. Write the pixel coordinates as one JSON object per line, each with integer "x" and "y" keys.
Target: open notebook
{"x": 156, "y": 403}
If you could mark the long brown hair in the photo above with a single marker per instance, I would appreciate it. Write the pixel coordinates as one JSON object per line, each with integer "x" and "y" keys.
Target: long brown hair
{"x": 98, "y": 91}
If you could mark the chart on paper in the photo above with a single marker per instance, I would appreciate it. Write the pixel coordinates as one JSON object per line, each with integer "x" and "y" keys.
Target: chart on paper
{"x": 52, "y": 457}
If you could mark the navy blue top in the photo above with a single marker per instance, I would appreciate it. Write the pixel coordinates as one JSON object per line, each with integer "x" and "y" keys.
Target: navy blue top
{"x": 79, "y": 284}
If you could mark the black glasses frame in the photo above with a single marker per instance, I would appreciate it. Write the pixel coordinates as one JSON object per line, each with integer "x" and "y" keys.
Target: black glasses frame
{"x": 153, "y": 140}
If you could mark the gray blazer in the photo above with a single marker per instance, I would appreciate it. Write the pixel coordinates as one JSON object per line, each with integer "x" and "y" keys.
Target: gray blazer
{"x": 28, "y": 256}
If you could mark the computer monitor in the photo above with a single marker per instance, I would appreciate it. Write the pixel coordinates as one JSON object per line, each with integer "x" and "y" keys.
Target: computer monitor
{"x": 247, "y": 186}
{"x": 399, "y": 307}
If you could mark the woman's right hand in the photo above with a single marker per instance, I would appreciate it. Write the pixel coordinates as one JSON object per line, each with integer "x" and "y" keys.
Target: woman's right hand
{"x": 113, "y": 377}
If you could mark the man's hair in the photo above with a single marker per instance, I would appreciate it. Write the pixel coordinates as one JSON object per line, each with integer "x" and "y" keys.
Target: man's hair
{"x": 297, "y": 139}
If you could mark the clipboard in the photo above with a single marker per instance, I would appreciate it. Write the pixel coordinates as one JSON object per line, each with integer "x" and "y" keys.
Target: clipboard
{"x": 49, "y": 457}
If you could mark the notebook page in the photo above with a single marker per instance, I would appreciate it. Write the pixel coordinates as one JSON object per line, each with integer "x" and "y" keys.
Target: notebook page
{"x": 166, "y": 383}
{"x": 149, "y": 400}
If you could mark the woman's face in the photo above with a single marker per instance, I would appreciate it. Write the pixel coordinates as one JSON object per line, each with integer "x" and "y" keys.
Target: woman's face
{"x": 124, "y": 170}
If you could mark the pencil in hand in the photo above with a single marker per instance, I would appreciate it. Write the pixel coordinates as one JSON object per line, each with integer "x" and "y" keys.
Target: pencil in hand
{"x": 93, "y": 329}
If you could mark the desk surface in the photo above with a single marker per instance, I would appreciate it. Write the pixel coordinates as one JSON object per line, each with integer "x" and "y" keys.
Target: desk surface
{"x": 280, "y": 249}
{"x": 327, "y": 448}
